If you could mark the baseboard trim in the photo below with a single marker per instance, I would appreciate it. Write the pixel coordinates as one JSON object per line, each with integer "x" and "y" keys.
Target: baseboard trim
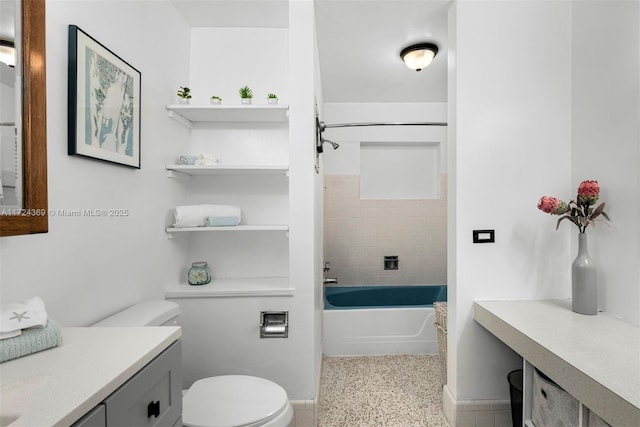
{"x": 305, "y": 412}
{"x": 475, "y": 413}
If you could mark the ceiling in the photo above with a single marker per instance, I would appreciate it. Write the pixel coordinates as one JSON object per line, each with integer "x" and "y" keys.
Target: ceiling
{"x": 234, "y": 13}
{"x": 359, "y": 42}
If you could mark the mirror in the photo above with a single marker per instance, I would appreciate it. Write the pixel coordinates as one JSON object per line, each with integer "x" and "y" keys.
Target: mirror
{"x": 10, "y": 148}
{"x": 26, "y": 212}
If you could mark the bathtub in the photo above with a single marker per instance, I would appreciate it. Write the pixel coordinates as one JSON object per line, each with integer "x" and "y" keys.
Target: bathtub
{"x": 380, "y": 320}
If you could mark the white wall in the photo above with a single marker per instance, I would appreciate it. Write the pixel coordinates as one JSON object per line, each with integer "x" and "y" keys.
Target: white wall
{"x": 225, "y": 59}
{"x": 540, "y": 109}
{"x": 510, "y": 133}
{"x": 87, "y": 268}
{"x": 305, "y": 266}
{"x": 318, "y": 255}
{"x": 606, "y": 147}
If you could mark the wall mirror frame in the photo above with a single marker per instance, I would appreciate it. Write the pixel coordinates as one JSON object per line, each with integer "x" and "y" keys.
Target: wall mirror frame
{"x": 33, "y": 215}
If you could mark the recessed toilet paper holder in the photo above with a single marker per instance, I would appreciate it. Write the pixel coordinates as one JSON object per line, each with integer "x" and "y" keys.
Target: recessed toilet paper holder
{"x": 274, "y": 324}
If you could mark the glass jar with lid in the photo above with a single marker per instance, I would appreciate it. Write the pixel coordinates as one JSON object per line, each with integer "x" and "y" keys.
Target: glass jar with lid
{"x": 199, "y": 273}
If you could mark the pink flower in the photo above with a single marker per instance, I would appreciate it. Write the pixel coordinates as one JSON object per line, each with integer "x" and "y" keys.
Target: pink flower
{"x": 579, "y": 213}
{"x": 552, "y": 205}
{"x": 588, "y": 192}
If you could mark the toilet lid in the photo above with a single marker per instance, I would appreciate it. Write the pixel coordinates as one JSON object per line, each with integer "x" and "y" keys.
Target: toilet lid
{"x": 232, "y": 400}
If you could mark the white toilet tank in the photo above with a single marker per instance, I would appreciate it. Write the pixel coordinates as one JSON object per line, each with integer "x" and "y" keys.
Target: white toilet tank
{"x": 147, "y": 313}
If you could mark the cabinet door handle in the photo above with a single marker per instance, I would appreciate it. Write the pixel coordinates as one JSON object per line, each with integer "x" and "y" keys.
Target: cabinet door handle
{"x": 153, "y": 409}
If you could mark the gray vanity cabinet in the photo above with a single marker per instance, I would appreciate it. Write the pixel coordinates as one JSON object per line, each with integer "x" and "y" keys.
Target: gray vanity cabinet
{"x": 152, "y": 397}
{"x": 97, "y": 417}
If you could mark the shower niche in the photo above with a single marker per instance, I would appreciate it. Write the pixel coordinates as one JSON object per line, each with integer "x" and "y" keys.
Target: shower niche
{"x": 251, "y": 143}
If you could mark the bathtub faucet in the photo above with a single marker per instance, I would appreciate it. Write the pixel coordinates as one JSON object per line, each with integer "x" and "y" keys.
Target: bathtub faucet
{"x": 330, "y": 281}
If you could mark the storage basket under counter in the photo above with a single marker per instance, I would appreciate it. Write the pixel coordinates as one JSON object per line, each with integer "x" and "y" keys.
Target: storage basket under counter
{"x": 441, "y": 329}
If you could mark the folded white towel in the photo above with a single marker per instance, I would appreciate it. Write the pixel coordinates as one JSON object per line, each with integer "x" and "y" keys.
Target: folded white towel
{"x": 196, "y": 215}
{"x": 12, "y": 334}
{"x": 206, "y": 159}
{"x": 15, "y": 316}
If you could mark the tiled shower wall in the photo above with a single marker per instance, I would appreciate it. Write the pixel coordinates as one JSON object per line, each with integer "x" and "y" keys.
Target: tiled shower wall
{"x": 358, "y": 234}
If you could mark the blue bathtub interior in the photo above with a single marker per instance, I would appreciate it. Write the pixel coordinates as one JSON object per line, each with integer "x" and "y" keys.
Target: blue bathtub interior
{"x": 350, "y": 297}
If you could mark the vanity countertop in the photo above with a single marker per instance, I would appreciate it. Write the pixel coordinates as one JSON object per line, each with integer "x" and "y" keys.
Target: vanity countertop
{"x": 594, "y": 358}
{"x": 59, "y": 385}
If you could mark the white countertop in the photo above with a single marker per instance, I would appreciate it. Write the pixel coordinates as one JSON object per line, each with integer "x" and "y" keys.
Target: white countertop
{"x": 594, "y": 358}
{"x": 59, "y": 385}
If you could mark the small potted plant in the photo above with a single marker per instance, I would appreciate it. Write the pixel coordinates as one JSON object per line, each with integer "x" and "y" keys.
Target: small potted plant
{"x": 272, "y": 98}
{"x": 245, "y": 95}
{"x": 184, "y": 95}
{"x": 216, "y": 100}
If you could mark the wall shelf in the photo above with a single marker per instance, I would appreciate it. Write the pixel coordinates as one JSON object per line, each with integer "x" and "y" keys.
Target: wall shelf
{"x": 236, "y": 287}
{"x": 236, "y": 228}
{"x": 236, "y": 117}
{"x": 227, "y": 170}
{"x": 189, "y": 114}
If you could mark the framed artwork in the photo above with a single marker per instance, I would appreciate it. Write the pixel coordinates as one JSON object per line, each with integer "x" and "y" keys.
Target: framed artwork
{"x": 104, "y": 103}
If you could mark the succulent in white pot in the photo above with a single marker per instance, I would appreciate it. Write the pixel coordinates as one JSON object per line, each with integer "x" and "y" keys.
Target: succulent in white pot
{"x": 216, "y": 100}
{"x": 272, "y": 98}
{"x": 245, "y": 95}
{"x": 184, "y": 95}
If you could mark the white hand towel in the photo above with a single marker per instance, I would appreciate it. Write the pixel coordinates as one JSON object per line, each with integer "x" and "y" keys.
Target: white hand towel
{"x": 21, "y": 315}
{"x": 196, "y": 215}
{"x": 206, "y": 159}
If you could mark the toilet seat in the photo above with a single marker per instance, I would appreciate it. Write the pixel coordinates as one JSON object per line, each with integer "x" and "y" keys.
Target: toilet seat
{"x": 235, "y": 400}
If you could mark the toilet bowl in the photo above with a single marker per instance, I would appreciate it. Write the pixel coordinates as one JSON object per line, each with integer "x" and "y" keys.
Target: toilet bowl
{"x": 227, "y": 400}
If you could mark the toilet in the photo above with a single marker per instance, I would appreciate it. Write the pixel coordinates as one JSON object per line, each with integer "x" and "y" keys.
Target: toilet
{"x": 227, "y": 400}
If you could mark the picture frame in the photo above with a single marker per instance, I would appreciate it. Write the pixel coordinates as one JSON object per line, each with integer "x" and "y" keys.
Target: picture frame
{"x": 103, "y": 103}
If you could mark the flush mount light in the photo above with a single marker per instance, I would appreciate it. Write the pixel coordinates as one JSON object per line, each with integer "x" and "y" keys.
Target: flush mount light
{"x": 419, "y": 56}
{"x": 7, "y": 53}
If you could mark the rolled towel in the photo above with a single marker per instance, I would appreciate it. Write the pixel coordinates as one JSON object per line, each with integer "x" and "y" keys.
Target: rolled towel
{"x": 31, "y": 341}
{"x": 21, "y": 315}
{"x": 187, "y": 159}
{"x": 196, "y": 215}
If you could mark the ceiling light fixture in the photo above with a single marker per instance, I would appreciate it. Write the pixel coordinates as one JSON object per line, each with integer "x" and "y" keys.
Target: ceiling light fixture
{"x": 419, "y": 56}
{"x": 8, "y": 53}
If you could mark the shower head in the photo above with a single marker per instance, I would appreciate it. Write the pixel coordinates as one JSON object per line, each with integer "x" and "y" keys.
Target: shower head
{"x": 335, "y": 145}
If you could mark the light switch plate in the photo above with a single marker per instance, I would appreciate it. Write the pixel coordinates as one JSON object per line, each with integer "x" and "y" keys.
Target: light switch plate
{"x": 484, "y": 236}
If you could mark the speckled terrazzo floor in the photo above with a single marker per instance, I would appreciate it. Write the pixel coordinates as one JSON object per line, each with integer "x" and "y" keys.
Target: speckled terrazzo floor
{"x": 381, "y": 391}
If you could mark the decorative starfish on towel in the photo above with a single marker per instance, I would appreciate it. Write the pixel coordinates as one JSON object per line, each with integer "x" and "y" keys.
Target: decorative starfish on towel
{"x": 20, "y": 316}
